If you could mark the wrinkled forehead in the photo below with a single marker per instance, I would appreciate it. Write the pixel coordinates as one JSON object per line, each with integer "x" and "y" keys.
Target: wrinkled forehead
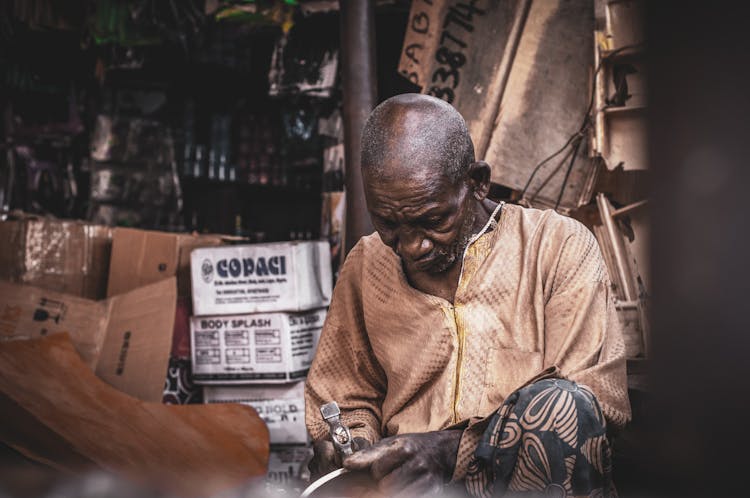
{"x": 399, "y": 180}
{"x": 414, "y": 169}
{"x": 407, "y": 153}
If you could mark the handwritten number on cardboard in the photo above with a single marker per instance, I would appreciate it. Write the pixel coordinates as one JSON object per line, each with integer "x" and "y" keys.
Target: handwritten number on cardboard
{"x": 452, "y": 59}
{"x": 445, "y": 75}
{"x": 442, "y": 93}
{"x": 466, "y": 10}
{"x": 447, "y": 34}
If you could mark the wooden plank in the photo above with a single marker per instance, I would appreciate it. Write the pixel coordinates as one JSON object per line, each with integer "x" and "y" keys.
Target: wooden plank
{"x": 459, "y": 51}
{"x": 632, "y": 334}
{"x": 625, "y": 140}
{"x": 640, "y": 245}
{"x": 544, "y": 103}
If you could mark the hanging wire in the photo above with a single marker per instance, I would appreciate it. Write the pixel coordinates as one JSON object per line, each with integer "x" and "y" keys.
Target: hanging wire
{"x": 567, "y": 173}
{"x": 579, "y": 135}
{"x": 544, "y": 161}
{"x": 552, "y": 173}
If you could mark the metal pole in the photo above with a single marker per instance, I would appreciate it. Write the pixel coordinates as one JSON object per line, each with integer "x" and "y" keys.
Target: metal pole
{"x": 358, "y": 76}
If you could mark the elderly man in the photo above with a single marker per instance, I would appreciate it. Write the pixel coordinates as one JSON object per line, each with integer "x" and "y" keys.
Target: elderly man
{"x": 467, "y": 341}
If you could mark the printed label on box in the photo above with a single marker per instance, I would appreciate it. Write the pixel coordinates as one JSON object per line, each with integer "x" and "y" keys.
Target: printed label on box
{"x": 304, "y": 332}
{"x": 240, "y": 349}
{"x": 289, "y": 276}
{"x": 282, "y": 407}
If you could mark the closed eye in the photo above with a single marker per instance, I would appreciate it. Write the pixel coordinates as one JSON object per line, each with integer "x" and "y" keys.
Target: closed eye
{"x": 433, "y": 222}
{"x": 384, "y": 223}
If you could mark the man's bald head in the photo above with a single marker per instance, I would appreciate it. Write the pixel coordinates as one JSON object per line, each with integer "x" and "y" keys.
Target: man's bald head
{"x": 417, "y": 135}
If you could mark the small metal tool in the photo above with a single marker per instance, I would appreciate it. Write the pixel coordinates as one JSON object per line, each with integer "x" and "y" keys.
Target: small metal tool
{"x": 340, "y": 435}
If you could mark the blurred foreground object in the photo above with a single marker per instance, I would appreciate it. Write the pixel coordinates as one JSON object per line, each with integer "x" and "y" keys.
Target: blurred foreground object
{"x": 343, "y": 483}
{"x": 65, "y": 417}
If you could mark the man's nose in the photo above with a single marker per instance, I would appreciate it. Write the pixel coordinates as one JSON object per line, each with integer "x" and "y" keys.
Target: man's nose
{"x": 413, "y": 245}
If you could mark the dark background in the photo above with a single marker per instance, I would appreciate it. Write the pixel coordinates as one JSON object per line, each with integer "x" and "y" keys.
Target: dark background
{"x": 699, "y": 137}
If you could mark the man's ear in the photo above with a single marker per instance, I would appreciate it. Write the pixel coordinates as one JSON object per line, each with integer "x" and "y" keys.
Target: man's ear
{"x": 478, "y": 178}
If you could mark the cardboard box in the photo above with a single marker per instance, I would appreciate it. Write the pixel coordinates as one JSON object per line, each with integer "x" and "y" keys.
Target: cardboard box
{"x": 286, "y": 276}
{"x": 125, "y": 339}
{"x": 64, "y": 256}
{"x": 281, "y": 406}
{"x": 141, "y": 257}
{"x": 258, "y": 348}
{"x": 287, "y": 465}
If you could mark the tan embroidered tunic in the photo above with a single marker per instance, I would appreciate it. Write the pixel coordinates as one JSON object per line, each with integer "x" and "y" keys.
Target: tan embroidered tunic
{"x": 533, "y": 294}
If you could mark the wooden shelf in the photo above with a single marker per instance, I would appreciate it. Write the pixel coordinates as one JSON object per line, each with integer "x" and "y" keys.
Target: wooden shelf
{"x": 623, "y": 109}
{"x": 627, "y": 54}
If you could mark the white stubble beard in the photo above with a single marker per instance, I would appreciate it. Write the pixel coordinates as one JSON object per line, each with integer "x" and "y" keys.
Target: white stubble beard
{"x": 456, "y": 250}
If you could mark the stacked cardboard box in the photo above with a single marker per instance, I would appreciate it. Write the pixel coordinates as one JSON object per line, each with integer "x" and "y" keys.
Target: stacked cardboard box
{"x": 66, "y": 256}
{"x": 141, "y": 257}
{"x": 53, "y": 276}
{"x": 258, "y": 312}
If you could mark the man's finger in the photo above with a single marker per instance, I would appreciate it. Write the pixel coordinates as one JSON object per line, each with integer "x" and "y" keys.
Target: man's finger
{"x": 380, "y": 458}
{"x": 365, "y": 457}
{"x": 388, "y": 463}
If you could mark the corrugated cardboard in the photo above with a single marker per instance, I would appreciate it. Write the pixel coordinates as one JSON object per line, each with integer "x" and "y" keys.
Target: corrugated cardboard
{"x": 135, "y": 353}
{"x": 29, "y": 312}
{"x": 281, "y": 406}
{"x": 254, "y": 349}
{"x": 255, "y": 278}
{"x": 63, "y": 256}
{"x": 141, "y": 257}
{"x": 125, "y": 339}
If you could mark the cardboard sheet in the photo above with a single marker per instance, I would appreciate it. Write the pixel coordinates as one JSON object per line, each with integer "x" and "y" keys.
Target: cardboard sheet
{"x": 126, "y": 339}
{"x": 141, "y": 257}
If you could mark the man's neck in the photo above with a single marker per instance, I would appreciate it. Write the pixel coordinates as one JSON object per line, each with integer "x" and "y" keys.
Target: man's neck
{"x": 486, "y": 209}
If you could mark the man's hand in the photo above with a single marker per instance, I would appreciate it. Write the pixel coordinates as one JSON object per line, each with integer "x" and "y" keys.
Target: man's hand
{"x": 410, "y": 464}
{"x": 326, "y": 459}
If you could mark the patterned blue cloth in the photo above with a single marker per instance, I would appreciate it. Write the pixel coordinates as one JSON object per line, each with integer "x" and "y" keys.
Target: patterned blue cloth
{"x": 548, "y": 438}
